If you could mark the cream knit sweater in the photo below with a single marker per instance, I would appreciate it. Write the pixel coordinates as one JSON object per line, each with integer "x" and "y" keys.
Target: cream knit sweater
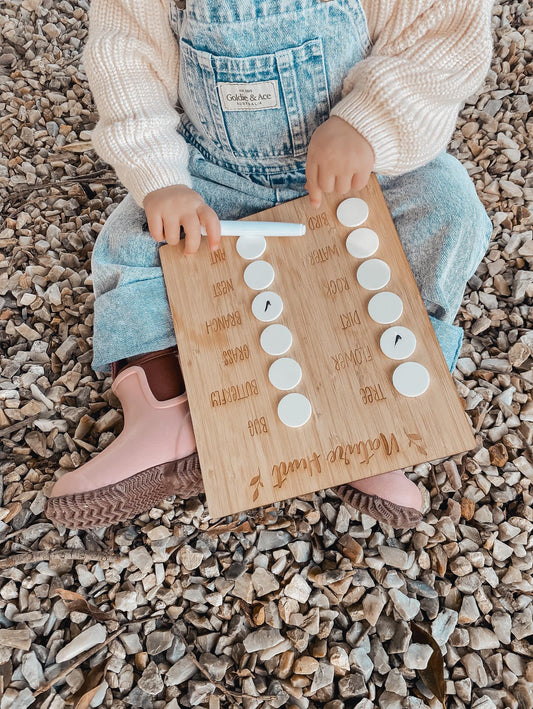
{"x": 427, "y": 57}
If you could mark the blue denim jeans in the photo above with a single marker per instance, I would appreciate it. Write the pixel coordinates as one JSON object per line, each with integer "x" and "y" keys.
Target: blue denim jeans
{"x": 245, "y": 157}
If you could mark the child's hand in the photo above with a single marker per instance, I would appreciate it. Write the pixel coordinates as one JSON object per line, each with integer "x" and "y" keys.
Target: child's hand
{"x": 339, "y": 159}
{"x": 171, "y": 207}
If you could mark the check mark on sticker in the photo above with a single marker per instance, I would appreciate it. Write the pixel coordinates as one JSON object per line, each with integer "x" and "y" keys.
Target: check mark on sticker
{"x": 398, "y": 337}
{"x": 268, "y": 303}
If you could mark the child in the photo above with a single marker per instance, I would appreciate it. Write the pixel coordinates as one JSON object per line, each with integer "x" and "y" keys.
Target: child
{"x": 277, "y": 99}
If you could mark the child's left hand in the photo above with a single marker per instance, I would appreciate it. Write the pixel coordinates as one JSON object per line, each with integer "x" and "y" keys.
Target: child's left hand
{"x": 339, "y": 159}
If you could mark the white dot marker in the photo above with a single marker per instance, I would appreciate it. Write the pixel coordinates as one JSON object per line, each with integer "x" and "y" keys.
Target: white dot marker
{"x": 398, "y": 342}
{"x": 294, "y": 410}
{"x": 410, "y": 378}
{"x": 267, "y": 306}
{"x": 258, "y": 275}
{"x": 352, "y": 212}
{"x": 362, "y": 242}
{"x": 385, "y": 307}
{"x": 250, "y": 247}
{"x": 276, "y": 339}
{"x": 373, "y": 274}
{"x": 285, "y": 373}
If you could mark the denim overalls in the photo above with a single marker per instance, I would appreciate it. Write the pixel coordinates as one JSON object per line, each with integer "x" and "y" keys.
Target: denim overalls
{"x": 256, "y": 79}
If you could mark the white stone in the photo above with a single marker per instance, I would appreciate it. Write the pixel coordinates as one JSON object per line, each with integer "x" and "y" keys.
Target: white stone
{"x": 417, "y": 656}
{"x": 407, "y": 607}
{"x": 298, "y": 588}
{"x": 126, "y": 601}
{"x": 94, "y": 635}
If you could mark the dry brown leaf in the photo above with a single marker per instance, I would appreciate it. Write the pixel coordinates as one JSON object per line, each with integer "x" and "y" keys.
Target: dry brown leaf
{"x": 246, "y": 609}
{"x": 77, "y": 603}
{"x": 231, "y": 527}
{"x": 85, "y": 694}
{"x": 433, "y": 674}
{"x": 80, "y": 147}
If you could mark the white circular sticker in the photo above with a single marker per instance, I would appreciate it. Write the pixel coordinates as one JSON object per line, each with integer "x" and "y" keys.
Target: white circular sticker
{"x": 410, "y": 378}
{"x": 398, "y": 342}
{"x": 250, "y": 247}
{"x": 373, "y": 274}
{"x": 362, "y": 242}
{"x": 276, "y": 339}
{"x": 294, "y": 410}
{"x": 258, "y": 275}
{"x": 285, "y": 373}
{"x": 352, "y": 211}
{"x": 385, "y": 307}
{"x": 267, "y": 306}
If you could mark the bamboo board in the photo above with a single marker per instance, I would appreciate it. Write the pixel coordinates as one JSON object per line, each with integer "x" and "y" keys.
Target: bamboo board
{"x": 360, "y": 424}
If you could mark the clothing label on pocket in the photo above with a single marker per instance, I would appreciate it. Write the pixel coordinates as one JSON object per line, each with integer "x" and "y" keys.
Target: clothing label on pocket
{"x": 249, "y": 97}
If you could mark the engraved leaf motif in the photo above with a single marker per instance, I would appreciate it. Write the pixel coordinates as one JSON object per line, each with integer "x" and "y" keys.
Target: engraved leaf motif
{"x": 255, "y": 495}
{"x": 413, "y": 438}
{"x": 255, "y": 480}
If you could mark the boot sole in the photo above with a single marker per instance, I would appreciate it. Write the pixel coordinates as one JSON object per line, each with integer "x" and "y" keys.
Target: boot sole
{"x": 126, "y": 499}
{"x": 382, "y": 510}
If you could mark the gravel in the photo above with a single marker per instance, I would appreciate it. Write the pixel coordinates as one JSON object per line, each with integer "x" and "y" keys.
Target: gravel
{"x": 311, "y": 604}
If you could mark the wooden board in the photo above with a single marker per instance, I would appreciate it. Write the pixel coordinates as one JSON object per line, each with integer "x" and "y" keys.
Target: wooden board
{"x": 360, "y": 424}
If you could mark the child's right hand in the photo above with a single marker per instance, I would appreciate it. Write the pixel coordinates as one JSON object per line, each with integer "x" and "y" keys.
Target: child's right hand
{"x": 177, "y": 206}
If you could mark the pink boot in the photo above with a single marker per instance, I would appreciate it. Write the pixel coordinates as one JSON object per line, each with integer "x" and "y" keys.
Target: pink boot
{"x": 153, "y": 457}
{"x": 390, "y": 498}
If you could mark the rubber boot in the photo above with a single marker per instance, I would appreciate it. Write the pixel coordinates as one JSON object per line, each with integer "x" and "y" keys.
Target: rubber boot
{"x": 153, "y": 457}
{"x": 391, "y": 498}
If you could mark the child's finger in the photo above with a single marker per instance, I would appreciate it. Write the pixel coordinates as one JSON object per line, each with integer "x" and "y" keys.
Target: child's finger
{"x": 209, "y": 219}
{"x": 171, "y": 230}
{"x": 155, "y": 226}
{"x": 315, "y": 195}
{"x": 193, "y": 235}
{"x": 326, "y": 181}
{"x": 359, "y": 180}
{"x": 343, "y": 183}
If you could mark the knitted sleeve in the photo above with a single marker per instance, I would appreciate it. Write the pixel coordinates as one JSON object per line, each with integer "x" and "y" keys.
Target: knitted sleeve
{"x": 131, "y": 58}
{"x": 427, "y": 57}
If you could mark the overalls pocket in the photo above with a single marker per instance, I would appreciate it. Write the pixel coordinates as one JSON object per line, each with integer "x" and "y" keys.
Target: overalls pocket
{"x": 263, "y": 106}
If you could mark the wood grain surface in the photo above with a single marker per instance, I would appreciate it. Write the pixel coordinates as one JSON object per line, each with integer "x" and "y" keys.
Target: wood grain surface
{"x": 360, "y": 425}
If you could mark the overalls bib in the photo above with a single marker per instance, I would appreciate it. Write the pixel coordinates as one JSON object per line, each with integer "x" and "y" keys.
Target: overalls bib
{"x": 257, "y": 77}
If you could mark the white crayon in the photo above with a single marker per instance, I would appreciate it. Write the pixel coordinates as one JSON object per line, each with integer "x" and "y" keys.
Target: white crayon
{"x": 249, "y": 228}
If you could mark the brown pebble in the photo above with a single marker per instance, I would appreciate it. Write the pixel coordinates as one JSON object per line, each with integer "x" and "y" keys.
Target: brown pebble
{"x": 468, "y": 508}
{"x": 141, "y": 660}
{"x": 305, "y": 665}
{"x": 285, "y": 664}
{"x": 498, "y": 454}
